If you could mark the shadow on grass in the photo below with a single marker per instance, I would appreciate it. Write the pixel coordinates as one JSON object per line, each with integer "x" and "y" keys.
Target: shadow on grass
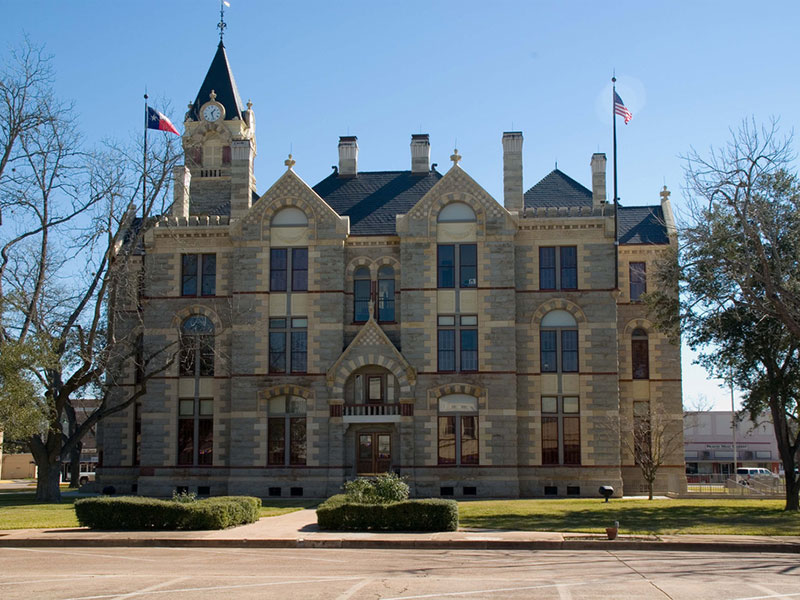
{"x": 709, "y": 518}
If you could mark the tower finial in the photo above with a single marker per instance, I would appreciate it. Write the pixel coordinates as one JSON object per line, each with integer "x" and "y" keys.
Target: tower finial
{"x": 221, "y": 25}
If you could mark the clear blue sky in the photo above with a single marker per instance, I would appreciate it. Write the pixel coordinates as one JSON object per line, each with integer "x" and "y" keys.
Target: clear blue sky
{"x": 458, "y": 70}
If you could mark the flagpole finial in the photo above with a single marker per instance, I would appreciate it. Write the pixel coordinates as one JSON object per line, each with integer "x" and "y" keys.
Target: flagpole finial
{"x": 222, "y": 25}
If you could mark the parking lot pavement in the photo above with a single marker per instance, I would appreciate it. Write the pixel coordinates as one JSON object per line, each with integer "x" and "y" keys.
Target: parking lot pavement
{"x": 100, "y": 573}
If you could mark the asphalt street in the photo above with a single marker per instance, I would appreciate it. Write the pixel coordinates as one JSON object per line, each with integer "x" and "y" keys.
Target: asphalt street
{"x": 105, "y": 573}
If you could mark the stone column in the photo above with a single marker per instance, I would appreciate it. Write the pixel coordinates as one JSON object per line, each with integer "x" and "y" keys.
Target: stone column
{"x": 512, "y": 171}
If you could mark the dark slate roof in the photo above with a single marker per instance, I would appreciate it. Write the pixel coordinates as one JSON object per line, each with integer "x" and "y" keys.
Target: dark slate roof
{"x": 220, "y": 79}
{"x": 557, "y": 189}
{"x": 641, "y": 225}
{"x": 372, "y": 199}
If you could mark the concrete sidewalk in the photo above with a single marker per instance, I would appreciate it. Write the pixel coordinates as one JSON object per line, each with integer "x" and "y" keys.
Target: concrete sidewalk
{"x": 299, "y": 530}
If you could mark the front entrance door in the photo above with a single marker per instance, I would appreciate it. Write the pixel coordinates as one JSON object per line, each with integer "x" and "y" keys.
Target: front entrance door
{"x": 374, "y": 453}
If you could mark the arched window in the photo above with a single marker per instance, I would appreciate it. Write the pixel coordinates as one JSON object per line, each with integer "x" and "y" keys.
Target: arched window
{"x": 286, "y": 431}
{"x": 362, "y": 290}
{"x": 640, "y": 354}
{"x": 458, "y": 430}
{"x": 386, "y": 293}
{"x": 290, "y": 217}
{"x": 457, "y": 212}
{"x": 196, "y": 347}
{"x": 559, "y": 343}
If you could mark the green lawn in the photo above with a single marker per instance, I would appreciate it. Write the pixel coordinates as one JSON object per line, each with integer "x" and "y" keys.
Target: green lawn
{"x": 273, "y": 507}
{"x": 19, "y": 510}
{"x": 718, "y": 516}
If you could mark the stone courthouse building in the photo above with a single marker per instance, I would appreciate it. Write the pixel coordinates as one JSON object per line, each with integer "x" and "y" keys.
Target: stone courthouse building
{"x": 400, "y": 321}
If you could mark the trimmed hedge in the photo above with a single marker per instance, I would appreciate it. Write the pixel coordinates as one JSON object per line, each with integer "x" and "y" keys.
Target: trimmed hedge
{"x": 337, "y": 513}
{"x": 137, "y": 513}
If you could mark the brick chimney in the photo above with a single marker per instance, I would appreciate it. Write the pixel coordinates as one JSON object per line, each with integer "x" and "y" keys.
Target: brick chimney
{"x": 420, "y": 153}
{"x": 598, "y": 179}
{"x": 348, "y": 156}
{"x": 512, "y": 171}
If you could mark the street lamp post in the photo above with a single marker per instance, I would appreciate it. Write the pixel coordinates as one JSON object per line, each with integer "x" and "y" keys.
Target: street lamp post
{"x": 733, "y": 435}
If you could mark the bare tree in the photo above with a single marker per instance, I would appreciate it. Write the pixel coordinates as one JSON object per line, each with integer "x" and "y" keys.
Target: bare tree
{"x": 651, "y": 437}
{"x": 69, "y": 267}
{"x": 739, "y": 277}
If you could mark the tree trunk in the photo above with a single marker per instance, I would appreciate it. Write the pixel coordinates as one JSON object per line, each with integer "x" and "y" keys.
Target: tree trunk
{"x": 650, "y": 489}
{"x": 47, "y": 483}
{"x": 75, "y": 465}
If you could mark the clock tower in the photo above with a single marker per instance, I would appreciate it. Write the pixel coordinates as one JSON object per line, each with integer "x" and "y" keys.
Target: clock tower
{"x": 219, "y": 145}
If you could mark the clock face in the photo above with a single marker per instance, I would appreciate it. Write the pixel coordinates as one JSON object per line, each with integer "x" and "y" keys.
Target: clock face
{"x": 212, "y": 112}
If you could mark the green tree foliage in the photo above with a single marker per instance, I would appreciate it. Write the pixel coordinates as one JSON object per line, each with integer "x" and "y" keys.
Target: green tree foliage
{"x": 22, "y": 408}
{"x": 733, "y": 283}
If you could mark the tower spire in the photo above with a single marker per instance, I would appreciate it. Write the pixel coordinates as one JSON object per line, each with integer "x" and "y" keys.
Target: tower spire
{"x": 221, "y": 25}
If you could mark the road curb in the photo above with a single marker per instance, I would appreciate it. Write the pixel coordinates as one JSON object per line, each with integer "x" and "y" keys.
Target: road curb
{"x": 339, "y": 543}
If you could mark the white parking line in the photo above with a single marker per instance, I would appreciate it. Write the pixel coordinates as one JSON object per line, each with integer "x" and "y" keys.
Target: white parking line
{"x": 220, "y": 587}
{"x": 507, "y": 589}
{"x": 117, "y": 556}
{"x": 156, "y": 586}
{"x": 794, "y": 595}
{"x": 349, "y": 592}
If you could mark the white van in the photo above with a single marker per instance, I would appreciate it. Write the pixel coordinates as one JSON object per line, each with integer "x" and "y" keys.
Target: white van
{"x": 758, "y": 474}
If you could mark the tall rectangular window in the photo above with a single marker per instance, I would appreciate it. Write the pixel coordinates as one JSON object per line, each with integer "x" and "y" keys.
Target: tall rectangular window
{"x": 549, "y": 352}
{"x": 286, "y": 431}
{"x": 468, "y": 265}
{"x": 288, "y": 333}
{"x": 200, "y": 268}
{"x": 277, "y": 345}
{"x": 547, "y": 268}
{"x": 361, "y": 295}
{"x": 640, "y": 357}
{"x": 446, "y": 264}
{"x": 638, "y": 277}
{"x": 189, "y": 275}
{"x": 299, "y": 269}
{"x": 277, "y": 269}
{"x": 457, "y": 339}
{"x": 299, "y": 339}
{"x": 558, "y": 268}
{"x": 569, "y": 267}
{"x": 569, "y": 350}
{"x": 561, "y": 430}
{"x": 386, "y": 294}
{"x": 137, "y": 434}
{"x": 447, "y": 344}
{"x": 468, "y": 343}
{"x": 195, "y": 431}
{"x": 458, "y": 430}
{"x": 209, "y": 277}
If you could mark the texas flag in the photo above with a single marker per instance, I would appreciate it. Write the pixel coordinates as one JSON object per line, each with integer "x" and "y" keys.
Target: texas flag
{"x": 156, "y": 120}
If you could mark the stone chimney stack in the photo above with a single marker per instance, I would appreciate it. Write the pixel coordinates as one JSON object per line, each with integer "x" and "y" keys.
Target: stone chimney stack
{"x": 348, "y": 156}
{"x": 512, "y": 171}
{"x": 420, "y": 153}
{"x": 598, "y": 179}
{"x": 182, "y": 179}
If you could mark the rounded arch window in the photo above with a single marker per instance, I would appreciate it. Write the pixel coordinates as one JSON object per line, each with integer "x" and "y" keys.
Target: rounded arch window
{"x": 457, "y": 212}
{"x": 558, "y": 338}
{"x": 290, "y": 216}
{"x": 196, "y": 356}
{"x": 639, "y": 334}
{"x": 559, "y": 318}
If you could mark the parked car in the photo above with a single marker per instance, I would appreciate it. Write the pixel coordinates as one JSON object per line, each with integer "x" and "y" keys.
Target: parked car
{"x": 758, "y": 474}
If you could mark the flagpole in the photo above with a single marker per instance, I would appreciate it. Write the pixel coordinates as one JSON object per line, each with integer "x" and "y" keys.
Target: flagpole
{"x": 616, "y": 198}
{"x": 144, "y": 162}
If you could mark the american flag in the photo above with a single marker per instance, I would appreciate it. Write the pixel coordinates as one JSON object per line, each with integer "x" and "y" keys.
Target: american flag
{"x": 619, "y": 108}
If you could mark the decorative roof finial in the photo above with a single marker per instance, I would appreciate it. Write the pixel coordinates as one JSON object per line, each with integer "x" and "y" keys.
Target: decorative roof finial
{"x": 221, "y": 25}
{"x": 665, "y": 193}
{"x": 455, "y": 156}
{"x": 290, "y": 162}
{"x": 249, "y": 105}
{"x": 212, "y": 95}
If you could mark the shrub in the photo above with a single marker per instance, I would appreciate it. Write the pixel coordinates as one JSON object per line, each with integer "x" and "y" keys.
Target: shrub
{"x": 383, "y": 489}
{"x": 185, "y": 497}
{"x": 134, "y": 512}
{"x": 340, "y": 513}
